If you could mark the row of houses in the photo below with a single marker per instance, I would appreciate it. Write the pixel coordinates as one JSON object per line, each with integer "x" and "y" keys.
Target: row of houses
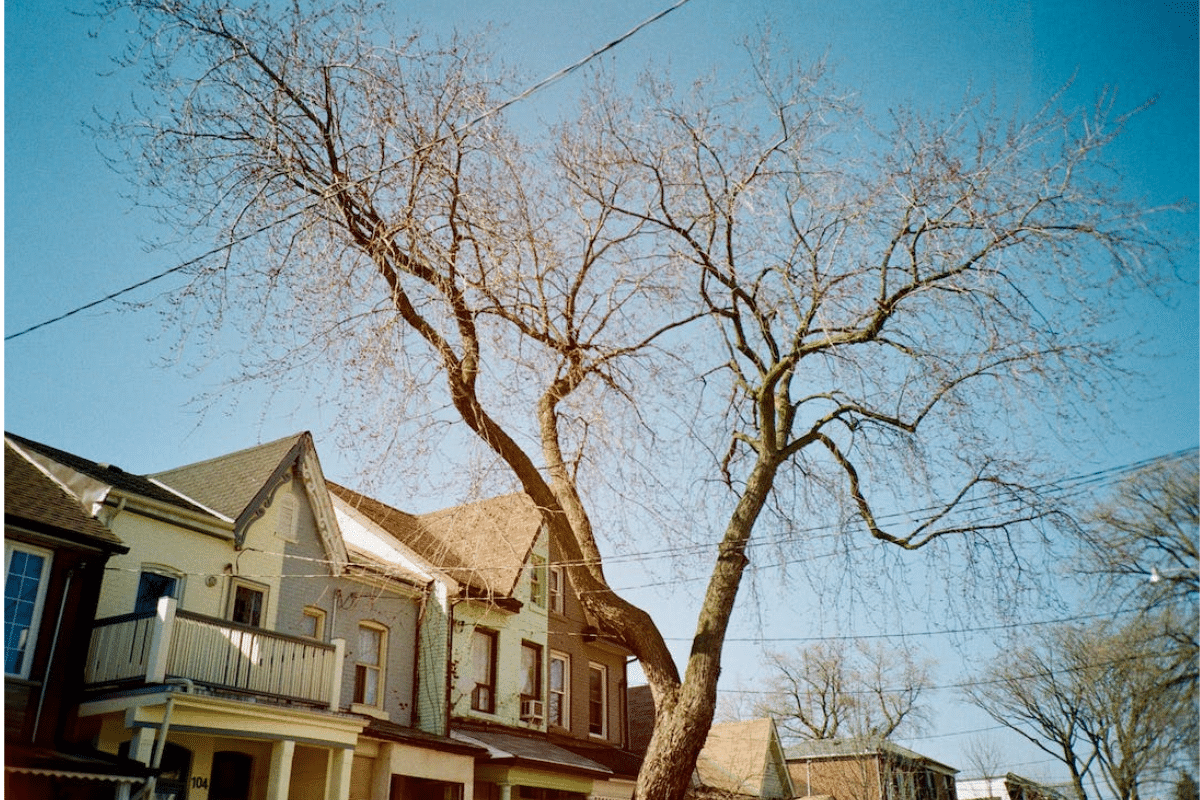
{"x": 245, "y": 629}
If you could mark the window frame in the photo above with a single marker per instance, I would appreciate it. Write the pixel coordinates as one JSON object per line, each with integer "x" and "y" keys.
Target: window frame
{"x": 163, "y": 571}
{"x": 29, "y": 649}
{"x": 556, "y": 582}
{"x": 593, "y": 669}
{"x": 538, "y": 653}
{"x": 317, "y": 615}
{"x": 236, "y": 583}
{"x": 365, "y": 668}
{"x": 560, "y": 700}
{"x": 537, "y": 581}
{"x": 493, "y": 646}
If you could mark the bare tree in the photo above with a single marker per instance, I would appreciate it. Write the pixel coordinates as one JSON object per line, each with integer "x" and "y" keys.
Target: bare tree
{"x": 1104, "y": 700}
{"x": 742, "y": 296}
{"x": 1142, "y": 546}
{"x": 833, "y": 690}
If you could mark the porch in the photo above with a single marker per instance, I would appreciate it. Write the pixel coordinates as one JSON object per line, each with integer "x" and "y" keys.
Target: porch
{"x": 170, "y": 644}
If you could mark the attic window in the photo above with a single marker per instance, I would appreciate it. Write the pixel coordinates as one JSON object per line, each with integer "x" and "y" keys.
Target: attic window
{"x": 285, "y": 516}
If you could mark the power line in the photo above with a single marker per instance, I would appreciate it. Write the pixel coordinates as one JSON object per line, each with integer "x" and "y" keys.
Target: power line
{"x": 469, "y": 124}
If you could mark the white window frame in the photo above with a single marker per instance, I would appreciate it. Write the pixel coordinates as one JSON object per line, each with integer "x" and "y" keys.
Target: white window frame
{"x": 166, "y": 572}
{"x": 379, "y": 669}
{"x": 241, "y": 583}
{"x": 556, "y": 582}
{"x": 39, "y": 604}
{"x": 593, "y": 667}
{"x": 317, "y": 615}
{"x": 563, "y": 695}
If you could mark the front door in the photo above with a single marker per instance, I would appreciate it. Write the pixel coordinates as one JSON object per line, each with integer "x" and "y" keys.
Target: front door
{"x": 230, "y": 776}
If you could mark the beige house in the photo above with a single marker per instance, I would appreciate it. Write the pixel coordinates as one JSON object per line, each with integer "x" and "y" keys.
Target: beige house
{"x": 244, "y": 651}
{"x": 743, "y": 759}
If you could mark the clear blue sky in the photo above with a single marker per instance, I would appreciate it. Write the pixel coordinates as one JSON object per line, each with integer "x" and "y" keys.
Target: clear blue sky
{"x": 102, "y": 383}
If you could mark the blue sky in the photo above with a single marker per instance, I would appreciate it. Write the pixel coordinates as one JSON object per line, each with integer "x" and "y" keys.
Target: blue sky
{"x": 103, "y": 384}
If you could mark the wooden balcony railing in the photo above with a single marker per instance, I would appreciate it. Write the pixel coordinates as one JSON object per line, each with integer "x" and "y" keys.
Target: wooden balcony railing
{"x": 213, "y": 652}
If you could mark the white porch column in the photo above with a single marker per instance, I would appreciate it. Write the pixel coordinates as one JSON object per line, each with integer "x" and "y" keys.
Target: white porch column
{"x": 160, "y": 640}
{"x": 505, "y": 791}
{"x": 280, "y": 779}
{"x": 337, "y": 782}
{"x": 141, "y": 746}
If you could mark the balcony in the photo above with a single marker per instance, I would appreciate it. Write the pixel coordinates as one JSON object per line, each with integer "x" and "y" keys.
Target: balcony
{"x": 138, "y": 649}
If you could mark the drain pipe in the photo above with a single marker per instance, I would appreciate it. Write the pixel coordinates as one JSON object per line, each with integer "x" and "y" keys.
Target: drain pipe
{"x": 37, "y": 719}
{"x": 161, "y": 743}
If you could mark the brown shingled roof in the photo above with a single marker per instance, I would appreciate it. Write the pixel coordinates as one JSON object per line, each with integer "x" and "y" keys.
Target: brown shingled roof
{"x": 483, "y": 544}
{"x": 31, "y": 498}
{"x": 119, "y": 479}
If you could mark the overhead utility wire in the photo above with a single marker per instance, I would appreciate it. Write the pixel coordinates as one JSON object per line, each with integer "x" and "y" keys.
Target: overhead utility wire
{"x": 562, "y": 73}
{"x": 469, "y": 124}
{"x": 177, "y": 268}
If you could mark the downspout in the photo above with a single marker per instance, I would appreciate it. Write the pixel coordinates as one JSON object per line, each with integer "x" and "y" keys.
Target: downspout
{"x": 161, "y": 744}
{"x": 62, "y": 606}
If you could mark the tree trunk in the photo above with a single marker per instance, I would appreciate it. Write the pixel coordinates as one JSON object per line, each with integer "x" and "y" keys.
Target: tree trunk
{"x": 683, "y": 712}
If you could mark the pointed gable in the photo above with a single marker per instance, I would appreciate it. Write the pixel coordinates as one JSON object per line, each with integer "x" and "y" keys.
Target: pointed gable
{"x": 744, "y": 758}
{"x": 484, "y": 544}
{"x": 231, "y": 483}
{"x": 242, "y": 484}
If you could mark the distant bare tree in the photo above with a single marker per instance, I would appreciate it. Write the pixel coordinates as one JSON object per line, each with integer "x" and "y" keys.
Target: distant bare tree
{"x": 984, "y": 757}
{"x": 713, "y": 305}
{"x": 1102, "y": 699}
{"x": 1143, "y": 545}
{"x": 835, "y": 689}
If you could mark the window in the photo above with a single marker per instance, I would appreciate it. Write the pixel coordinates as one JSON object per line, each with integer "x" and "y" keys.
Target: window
{"x": 531, "y": 671}
{"x": 537, "y": 581}
{"x": 368, "y": 667}
{"x": 26, "y": 576}
{"x": 597, "y": 699}
{"x": 248, "y": 603}
{"x": 560, "y": 690}
{"x": 285, "y": 515}
{"x": 313, "y": 623}
{"x": 154, "y": 583}
{"x": 555, "y": 579}
{"x": 483, "y": 670}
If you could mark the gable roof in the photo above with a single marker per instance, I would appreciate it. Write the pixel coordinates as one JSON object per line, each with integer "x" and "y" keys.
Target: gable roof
{"x": 739, "y": 757}
{"x": 35, "y": 500}
{"x": 107, "y": 474}
{"x": 231, "y": 482}
{"x": 370, "y": 546}
{"x": 861, "y": 746}
{"x": 242, "y": 484}
{"x": 484, "y": 544}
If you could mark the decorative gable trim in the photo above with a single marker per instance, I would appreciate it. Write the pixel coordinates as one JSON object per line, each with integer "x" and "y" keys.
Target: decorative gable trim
{"x": 300, "y": 461}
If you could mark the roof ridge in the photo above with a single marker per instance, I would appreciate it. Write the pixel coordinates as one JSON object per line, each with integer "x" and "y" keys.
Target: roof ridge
{"x": 293, "y": 439}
